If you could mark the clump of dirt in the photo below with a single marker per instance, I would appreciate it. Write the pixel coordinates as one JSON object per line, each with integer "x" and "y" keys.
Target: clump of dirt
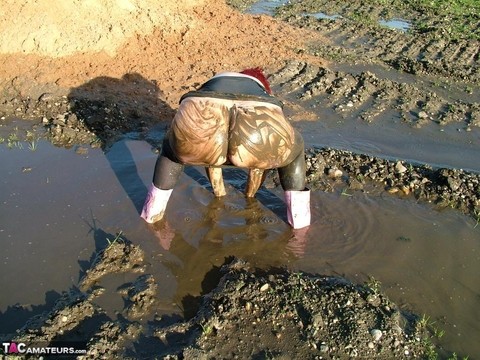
{"x": 68, "y": 313}
{"x": 295, "y": 315}
{"x": 140, "y": 296}
{"x": 251, "y": 313}
{"x": 328, "y": 169}
{"x": 119, "y": 256}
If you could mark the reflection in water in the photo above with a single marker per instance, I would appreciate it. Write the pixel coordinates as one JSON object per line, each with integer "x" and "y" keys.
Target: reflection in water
{"x": 398, "y": 24}
{"x": 202, "y": 237}
{"x": 426, "y": 260}
{"x": 265, "y": 7}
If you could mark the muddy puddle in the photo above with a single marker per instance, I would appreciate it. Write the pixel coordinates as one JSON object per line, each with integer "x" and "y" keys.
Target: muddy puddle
{"x": 386, "y": 92}
{"x": 60, "y": 207}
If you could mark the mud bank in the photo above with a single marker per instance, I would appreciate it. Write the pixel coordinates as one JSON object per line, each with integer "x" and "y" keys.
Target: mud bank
{"x": 251, "y": 313}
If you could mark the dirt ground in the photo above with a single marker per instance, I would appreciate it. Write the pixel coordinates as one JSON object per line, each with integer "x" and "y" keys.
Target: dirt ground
{"x": 90, "y": 72}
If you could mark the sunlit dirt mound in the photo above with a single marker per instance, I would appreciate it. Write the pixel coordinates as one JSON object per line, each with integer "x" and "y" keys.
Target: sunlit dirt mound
{"x": 58, "y": 28}
{"x": 56, "y": 45}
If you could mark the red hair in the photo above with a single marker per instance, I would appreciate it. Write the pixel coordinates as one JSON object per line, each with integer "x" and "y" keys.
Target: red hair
{"x": 258, "y": 74}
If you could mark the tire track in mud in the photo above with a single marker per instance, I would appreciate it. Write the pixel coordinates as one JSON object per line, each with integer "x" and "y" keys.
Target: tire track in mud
{"x": 355, "y": 29}
{"x": 369, "y": 97}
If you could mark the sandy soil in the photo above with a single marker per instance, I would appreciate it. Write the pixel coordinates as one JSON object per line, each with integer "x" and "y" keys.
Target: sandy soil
{"x": 171, "y": 44}
{"x": 91, "y": 71}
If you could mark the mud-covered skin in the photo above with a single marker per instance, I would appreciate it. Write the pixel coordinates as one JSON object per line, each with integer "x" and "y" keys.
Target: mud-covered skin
{"x": 214, "y": 132}
{"x": 229, "y": 130}
{"x": 261, "y": 137}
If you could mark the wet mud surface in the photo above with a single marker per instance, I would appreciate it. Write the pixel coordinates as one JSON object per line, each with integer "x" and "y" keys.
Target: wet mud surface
{"x": 252, "y": 311}
{"x": 289, "y": 314}
{"x": 359, "y": 35}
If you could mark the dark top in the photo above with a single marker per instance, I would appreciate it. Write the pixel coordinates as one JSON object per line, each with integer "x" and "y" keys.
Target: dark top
{"x": 234, "y": 88}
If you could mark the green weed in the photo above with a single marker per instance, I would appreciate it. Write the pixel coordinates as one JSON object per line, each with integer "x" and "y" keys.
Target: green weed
{"x": 13, "y": 141}
{"x": 206, "y": 330}
{"x": 426, "y": 324}
{"x": 297, "y": 292}
{"x": 118, "y": 239}
{"x": 476, "y": 214}
{"x": 345, "y": 193}
{"x": 32, "y": 145}
{"x": 373, "y": 284}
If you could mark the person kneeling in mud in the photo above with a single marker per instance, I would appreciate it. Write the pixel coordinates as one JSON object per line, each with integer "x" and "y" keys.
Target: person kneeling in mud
{"x": 232, "y": 119}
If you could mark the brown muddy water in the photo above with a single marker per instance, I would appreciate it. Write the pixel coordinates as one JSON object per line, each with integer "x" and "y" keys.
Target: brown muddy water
{"x": 59, "y": 206}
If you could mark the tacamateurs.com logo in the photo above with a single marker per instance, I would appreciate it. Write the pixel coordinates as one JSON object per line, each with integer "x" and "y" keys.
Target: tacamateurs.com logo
{"x": 20, "y": 348}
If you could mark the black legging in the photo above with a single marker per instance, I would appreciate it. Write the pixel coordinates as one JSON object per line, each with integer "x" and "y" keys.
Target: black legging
{"x": 168, "y": 170}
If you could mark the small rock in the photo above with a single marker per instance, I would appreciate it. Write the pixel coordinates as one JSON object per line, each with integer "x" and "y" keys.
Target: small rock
{"x": 376, "y": 334}
{"x": 399, "y": 168}
{"x": 453, "y": 183}
{"x": 46, "y": 97}
{"x": 374, "y": 300}
{"x": 335, "y": 173}
{"x": 393, "y": 190}
{"x": 317, "y": 321}
{"x": 422, "y": 115}
{"x": 324, "y": 348}
{"x": 264, "y": 287}
{"x": 355, "y": 184}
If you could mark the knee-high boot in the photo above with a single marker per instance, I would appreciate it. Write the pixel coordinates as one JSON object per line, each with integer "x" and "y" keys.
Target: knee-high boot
{"x": 298, "y": 208}
{"x": 155, "y": 204}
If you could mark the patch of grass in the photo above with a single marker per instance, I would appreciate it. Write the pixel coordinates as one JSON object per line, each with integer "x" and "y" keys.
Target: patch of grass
{"x": 345, "y": 193}
{"x": 32, "y": 140}
{"x": 454, "y": 356}
{"x": 32, "y": 145}
{"x": 206, "y": 329}
{"x": 296, "y": 292}
{"x": 426, "y": 324}
{"x": 13, "y": 140}
{"x": 476, "y": 216}
{"x": 363, "y": 18}
{"x": 459, "y": 18}
{"x": 118, "y": 239}
{"x": 373, "y": 284}
{"x": 447, "y": 7}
